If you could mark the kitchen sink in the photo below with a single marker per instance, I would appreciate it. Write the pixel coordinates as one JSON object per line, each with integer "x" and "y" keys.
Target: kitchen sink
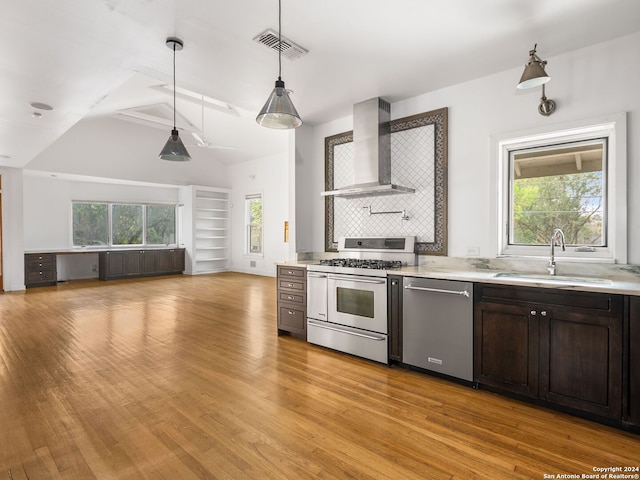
{"x": 553, "y": 278}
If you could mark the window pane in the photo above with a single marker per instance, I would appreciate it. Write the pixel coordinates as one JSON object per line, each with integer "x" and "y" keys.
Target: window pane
{"x": 254, "y": 223}
{"x": 161, "y": 224}
{"x": 559, "y": 187}
{"x": 90, "y": 224}
{"x": 126, "y": 222}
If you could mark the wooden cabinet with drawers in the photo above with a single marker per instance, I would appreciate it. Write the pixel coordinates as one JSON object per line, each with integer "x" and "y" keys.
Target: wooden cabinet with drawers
{"x": 40, "y": 269}
{"x": 292, "y": 300}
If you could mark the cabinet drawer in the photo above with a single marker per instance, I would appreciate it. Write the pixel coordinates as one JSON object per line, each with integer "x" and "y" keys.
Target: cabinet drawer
{"x": 287, "y": 284}
{"x": 40, "y": 276}
{"x": 291, "y": 271}
{"x": 291, "y": 317}
{"x": 39, "y": 262}
{"x": 292, "y": 298}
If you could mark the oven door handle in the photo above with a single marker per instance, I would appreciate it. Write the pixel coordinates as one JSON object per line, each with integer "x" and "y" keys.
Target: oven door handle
{"x": 338, "y": 329}
{"x": 316, "y": 275}
{"x": 463, "y": 293}
{"x": 352, "y": 278}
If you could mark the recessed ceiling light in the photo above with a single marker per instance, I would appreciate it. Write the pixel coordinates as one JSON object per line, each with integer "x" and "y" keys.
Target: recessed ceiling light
{"x": 7, "y": 157}
{"x": 36, "y": 114}
{"x": 41, "y": 106}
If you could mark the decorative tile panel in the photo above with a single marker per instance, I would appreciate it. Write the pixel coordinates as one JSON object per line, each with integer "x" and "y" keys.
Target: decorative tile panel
{"x": 418, "y": 160}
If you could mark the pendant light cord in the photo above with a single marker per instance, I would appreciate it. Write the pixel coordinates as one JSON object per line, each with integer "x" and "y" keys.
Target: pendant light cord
{"x": 279, "y": 40}
{"x": 174, "y": 86}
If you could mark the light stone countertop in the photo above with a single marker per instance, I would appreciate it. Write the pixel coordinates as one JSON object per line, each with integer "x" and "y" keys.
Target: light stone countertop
{"x": 572, "y": 281}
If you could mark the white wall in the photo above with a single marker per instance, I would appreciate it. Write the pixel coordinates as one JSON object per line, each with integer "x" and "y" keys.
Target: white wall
{"x": 111, "y": 148}
{"x": 587, "y": 83}
{"x": 270, "y": 177}
{"x": 12, "y": 238}
{"x": 47, "y": 206}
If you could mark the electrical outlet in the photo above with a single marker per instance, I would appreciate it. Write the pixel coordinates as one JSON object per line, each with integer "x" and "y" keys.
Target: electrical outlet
{"x": 252, "y": 263}
{"x": 94, "y": 268}
{"x": 473, "y": 251}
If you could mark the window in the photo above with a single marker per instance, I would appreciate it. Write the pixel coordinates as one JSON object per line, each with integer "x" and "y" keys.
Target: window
{"x": 562, "y": 186}
{"x": 126, "y": 224}
{"x": 161, "y": 224}
{"x": 90, "y": 224}
{"x": 572, "y": 179}
{"x": 119, "y": 224}
{"x": 253, "y": 222}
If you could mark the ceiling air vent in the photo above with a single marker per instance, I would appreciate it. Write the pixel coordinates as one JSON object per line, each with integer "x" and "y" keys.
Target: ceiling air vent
{"x": 269, "y": 38}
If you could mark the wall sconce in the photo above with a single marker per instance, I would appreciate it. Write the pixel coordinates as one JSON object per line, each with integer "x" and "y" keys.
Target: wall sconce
{"x": 534, "y": 75}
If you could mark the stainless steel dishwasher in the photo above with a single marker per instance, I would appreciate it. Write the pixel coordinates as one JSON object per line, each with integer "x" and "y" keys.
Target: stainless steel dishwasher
{"x": 437, "y": 326}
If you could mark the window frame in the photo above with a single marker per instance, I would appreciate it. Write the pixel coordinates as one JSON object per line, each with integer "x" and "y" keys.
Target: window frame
{"x": 248, "y": 225}
{"x": 611, "y": 128}
{"x": 110, "y": 244}
{"x": 556, "y": 146}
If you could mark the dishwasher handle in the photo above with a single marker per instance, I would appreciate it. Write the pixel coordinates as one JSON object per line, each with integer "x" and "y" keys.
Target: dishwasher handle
{"x": 462, "y": 293}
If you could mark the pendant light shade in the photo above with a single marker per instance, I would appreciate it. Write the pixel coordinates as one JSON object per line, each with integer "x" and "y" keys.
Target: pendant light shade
{"x": 534, "y": 74}
{"x": 174, "y": 149}
{"x": 278, "y": 111}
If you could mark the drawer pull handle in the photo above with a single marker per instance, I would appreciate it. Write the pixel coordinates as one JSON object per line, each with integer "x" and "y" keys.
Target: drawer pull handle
{"x": 289, "y": 297}
{"x": 291, "y": 313}
{"x": 533, "y": 312}
{"x": 543, "y": 313}
{"x": 290, "y": 272}
{"x": 289, "y": 284}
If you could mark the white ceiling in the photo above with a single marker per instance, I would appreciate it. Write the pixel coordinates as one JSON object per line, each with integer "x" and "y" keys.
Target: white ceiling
{"x": 93, "y": 57}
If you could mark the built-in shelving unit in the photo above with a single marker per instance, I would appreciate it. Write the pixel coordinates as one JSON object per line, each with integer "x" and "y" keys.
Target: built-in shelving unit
{"x": 206, "y": 225}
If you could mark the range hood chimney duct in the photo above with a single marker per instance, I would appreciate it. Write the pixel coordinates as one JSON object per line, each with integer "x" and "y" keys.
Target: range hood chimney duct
{"x": 372, "y": 152}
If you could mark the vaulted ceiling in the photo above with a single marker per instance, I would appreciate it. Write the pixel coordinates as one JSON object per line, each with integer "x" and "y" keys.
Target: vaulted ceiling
{"x": 94, "y": 58}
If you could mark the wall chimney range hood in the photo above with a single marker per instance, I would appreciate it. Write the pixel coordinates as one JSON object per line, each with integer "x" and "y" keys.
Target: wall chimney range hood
{"x": 372, "y": 152}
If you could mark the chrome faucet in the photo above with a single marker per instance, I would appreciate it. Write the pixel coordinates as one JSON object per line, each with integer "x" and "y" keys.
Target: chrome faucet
{"x": 557, "y": 234}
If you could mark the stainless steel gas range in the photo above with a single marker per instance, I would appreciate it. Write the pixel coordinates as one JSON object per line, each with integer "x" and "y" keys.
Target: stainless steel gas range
{"x": 347, "y": 296}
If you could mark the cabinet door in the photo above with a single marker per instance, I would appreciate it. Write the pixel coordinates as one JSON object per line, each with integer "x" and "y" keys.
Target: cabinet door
{"x": 133, "y": 262}
{"x": 115, "y": 264}
{"x": 395, "y": 318}
{"x": 506, "y": 347}
{"x": 633, "y": 373}
{"x": 177, "y": 260}
{"x": 581, "y": 361}
{"x": 150, "y": 262}
{"x": 164, "y": 261}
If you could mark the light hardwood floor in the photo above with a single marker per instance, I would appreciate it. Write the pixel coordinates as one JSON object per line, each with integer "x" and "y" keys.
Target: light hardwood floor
{"x": 185, "y": 378}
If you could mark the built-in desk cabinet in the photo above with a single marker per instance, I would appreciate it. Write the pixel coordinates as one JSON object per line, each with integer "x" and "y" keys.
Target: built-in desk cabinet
{"x": 40, "y": 269}
{"x": 292, "y": 300}
{"x": 115, "y": 264}
{"x": 557, "y": 346}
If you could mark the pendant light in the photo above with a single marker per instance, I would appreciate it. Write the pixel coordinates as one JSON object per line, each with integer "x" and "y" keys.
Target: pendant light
{"x": 174, "y": 149}
{"x": 278, "y": 111}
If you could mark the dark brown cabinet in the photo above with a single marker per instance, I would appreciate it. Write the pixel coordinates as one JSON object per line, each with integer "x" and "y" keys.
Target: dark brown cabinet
{"x": 394, "y": 296}
{"x": 562, "y": 347}
{"x": 40, "y": 269}
{"x": 632, "y": 367}
{"x": 170, "y": 261}
{"x": 115, "y": 264}
{"x": 292, "y": 300}
{"x": 506, "y": 347}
